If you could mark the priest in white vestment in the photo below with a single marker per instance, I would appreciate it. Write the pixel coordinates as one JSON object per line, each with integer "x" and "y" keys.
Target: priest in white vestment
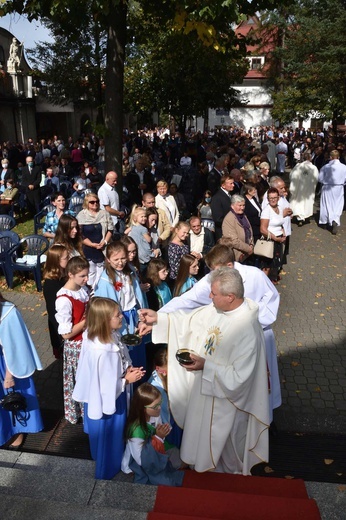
{"x": 258, "y": 288}
{"x": 303, "y": 182}
{"x": 221, "y": 400}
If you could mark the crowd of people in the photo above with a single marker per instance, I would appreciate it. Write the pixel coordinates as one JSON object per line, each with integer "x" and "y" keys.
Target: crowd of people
{"x": 171, "y": 264}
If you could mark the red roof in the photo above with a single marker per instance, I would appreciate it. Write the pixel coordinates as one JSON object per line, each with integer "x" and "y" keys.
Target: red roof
{"x": 244, "y": 29}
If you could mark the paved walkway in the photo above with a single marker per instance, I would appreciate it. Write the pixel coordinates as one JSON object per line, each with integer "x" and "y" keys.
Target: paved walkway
{"x": 310, "y": 333}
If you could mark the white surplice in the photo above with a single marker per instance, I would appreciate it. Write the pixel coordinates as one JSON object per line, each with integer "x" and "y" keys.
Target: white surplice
{"x": 333, "y": 178}
{"x": 224, "y": 409}
{"x": 303, "y": 181}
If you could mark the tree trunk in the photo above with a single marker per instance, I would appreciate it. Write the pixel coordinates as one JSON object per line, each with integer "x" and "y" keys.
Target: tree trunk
{"x": 99, "y": 99}
{"x": 115, "y": 89}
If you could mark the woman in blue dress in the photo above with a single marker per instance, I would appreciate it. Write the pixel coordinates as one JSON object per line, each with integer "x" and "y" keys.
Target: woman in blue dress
{"x": 18, "y": 362}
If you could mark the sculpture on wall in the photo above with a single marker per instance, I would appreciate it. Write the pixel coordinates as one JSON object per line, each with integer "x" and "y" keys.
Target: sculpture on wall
{"x": 15, "y": 56}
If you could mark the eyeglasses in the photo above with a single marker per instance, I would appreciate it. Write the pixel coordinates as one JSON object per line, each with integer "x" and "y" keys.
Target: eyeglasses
{"x": 93, "y": 201}
{"x": 155, "y": 407}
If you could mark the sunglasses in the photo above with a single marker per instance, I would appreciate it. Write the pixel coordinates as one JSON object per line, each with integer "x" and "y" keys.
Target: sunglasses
{"x": 156, "y": 407}
{"x": 93, "y": 201}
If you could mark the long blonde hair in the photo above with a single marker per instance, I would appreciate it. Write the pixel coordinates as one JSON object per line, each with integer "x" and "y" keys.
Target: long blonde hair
{"x": 52, "y": 269}
{"x": 98, "y": 321}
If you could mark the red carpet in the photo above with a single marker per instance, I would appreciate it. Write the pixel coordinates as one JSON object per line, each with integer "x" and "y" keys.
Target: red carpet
{"x": 220, "y": 496}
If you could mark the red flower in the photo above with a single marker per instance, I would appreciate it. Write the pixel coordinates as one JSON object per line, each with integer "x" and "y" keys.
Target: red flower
{"x": 118, "y": 286}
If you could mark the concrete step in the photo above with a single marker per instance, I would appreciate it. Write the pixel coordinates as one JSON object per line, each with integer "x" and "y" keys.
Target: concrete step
{"x": 34, "y": 509}
{"x": 65, "y": 488}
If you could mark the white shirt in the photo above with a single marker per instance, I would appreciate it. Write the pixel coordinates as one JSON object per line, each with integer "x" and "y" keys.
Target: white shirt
{"x": 197, "y": 241}
{"x": 108, "y": 196}
{"x": 276, "y": 220}
{"x": 185, "y": 161}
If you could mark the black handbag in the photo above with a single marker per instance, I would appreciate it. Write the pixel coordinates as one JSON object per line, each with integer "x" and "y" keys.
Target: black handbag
{"x": 14, "y": 402}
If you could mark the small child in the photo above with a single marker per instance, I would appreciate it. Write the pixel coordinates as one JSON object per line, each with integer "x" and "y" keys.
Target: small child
{"x": 140, "y": 234}
{"x": 103, "y": 381}
{"x": 188, "y": 269}
{"x": 147, "y": 453}
{"x": 159, "y": 293}
{"x": 159, "y": 380}
{"x": 70, "y": 308}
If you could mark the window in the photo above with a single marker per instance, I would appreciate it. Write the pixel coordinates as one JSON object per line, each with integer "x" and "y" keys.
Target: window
{"x": 221, "y": 112}
{"x": 256, "y": 63}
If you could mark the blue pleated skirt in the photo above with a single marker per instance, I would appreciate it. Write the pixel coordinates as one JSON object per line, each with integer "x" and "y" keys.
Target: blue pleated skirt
{"x": 137, "y": 354}
{"x": 106, "y": 439}
{"x": 29, "y": 421}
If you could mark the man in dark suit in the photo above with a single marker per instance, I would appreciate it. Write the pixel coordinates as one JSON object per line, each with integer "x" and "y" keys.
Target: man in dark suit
{"x": 31, "y": 179}
{"x": 65, "y": 170}
{"x": 221, "y": 203}
{"x": 238, "y": 180}
{"x": 138, "y": 182}
{"x": 214, "y": 176}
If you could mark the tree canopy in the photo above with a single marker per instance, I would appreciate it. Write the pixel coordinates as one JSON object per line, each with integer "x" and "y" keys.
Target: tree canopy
{"x": 204, "y": 20}
{"x": 309, "y": 74}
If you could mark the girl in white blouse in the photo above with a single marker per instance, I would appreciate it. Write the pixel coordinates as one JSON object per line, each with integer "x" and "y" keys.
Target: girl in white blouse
{"x": 104, "y": 375}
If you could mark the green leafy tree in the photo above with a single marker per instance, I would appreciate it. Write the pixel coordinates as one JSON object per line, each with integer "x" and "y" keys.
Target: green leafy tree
{"x": 309, "y": 62}
{"x": 203, "y": 19}
{"x": 182, "y": 76}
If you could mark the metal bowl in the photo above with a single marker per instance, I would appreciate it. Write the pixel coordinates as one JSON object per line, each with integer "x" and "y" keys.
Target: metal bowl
{"x": 131, "y": 340}
{"x": 183, "y": 356}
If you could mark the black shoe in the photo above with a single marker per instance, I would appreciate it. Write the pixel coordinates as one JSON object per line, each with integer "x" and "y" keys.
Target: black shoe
{"x": 323, "y": 226}
{"x": 300, "y": 223}
{"x": 334, "y": 228}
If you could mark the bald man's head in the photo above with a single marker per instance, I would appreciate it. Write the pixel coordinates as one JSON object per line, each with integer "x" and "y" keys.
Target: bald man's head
{"x": 111, "y": 178}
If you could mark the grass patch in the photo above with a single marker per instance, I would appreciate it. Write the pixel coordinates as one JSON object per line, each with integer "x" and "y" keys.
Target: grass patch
{"x": 24, "y": 227}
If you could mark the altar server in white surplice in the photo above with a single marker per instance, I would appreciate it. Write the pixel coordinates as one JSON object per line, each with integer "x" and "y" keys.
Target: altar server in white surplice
{"x": 221, "y": 400}
{"x": 303, "y": 181}
{"x": 333, "y": 178}
{"x": 258, "y": 288}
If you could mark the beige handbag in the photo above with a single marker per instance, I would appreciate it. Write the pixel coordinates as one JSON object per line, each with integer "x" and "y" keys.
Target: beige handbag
{"x": 264, "y": 247}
